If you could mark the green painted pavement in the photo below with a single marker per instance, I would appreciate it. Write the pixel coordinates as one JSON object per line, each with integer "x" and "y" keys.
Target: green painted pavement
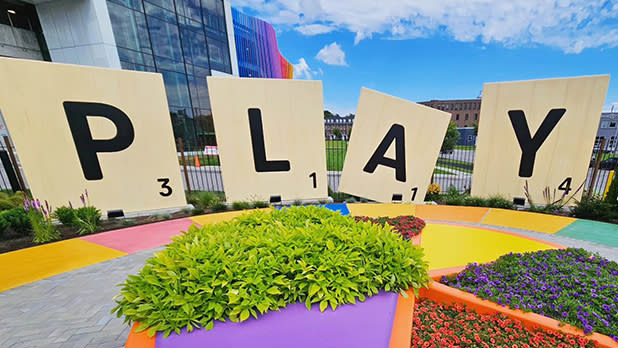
{"x": 592, "y": 231}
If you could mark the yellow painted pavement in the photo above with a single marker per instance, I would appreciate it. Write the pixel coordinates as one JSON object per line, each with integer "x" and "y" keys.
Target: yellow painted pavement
{"x": 378, "y": 209}
{"x": 527, "y": 221}
{"x": 451, "y": 213}
{"x": 220, "y": 217}
{"x": 451, "y": 246}
{"x": 28, "y": 265}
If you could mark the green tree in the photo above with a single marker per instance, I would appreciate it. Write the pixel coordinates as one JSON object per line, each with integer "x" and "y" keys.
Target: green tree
{"x": 476, "y": 128}
{"x": 337, "y": 133}
{"x": 451, "y": 137}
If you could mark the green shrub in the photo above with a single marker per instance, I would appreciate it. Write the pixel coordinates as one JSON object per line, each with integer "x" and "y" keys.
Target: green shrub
{"x": 66, "y": 215}
{"x": 44, "y": 229}
{"x": 17, "y": 220}
{"x": 593, "y": 208}
{"x": 87, "y": 219}
{"x": 453, "y": 197}
{"x": 128, "y": 222}
{"x": 17, "y": 200}
{"x": 197, "y": 211}
{"x": 262, "y": 261}
{"x": 260, "y": 204}
{"x": 3, "y": 226}
{"x": 241, "y": 205}
{"x": 297, "y": 203}
{"x": 475, "y": 201}
{"x": 5, "y": 204}
{"x": 612, "y": 193}
{"x": 4, "y": 195}
{"x": 219, "y": 206}
{"x": 500, "y": 202}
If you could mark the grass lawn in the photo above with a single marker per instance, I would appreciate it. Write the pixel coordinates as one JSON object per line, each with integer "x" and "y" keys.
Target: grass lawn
{"x": 465, "y": 147}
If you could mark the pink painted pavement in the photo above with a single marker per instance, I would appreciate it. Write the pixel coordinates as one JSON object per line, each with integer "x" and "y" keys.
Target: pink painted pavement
{"x": 137, "y": 238}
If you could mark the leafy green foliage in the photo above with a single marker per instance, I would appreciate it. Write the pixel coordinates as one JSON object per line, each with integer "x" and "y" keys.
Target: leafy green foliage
{"x": 219, "y": 206}
{"x": 87, "y": 219}
{"x": 264, "y": 260}
{"x": 594, "y": 208}
{"x": 17, "y": 220}
{"x": 453, "y": 197}
{"x": 241, "y": 205}
{"x": 451, "y": 137}
{"x": 260, "y": 204}
{"x": 499, "y": 202}
{"x": 5, "y": 204}
{"x": 44, "y": 230}
{"x": 66, "y": 215}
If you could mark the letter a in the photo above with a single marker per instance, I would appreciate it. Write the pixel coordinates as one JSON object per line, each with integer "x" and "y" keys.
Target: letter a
{"x": 397, "y": 134}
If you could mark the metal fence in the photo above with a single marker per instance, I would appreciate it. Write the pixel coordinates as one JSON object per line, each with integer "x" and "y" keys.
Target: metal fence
{"x": 201, "y": 171}
{"x": 453, "y": 168}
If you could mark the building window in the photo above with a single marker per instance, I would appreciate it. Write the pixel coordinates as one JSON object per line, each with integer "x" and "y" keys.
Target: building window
{"x": 476, "y": 117}
{"x": 457, "y": 117}
{"x": 612, "y": 125}
{"x": 466, "y": 117}
{"x": 465, "y": 125}
{"x": 604, "y": 124}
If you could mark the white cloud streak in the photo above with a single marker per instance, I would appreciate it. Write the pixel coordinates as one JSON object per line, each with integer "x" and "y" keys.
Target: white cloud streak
{"x": 569, "y": 25}
{"x": 302, "y": 70}
{"x": 332, "y": 55}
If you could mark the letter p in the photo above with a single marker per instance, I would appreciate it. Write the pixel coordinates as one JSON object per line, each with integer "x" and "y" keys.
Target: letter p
{"x": 87, "y": 147}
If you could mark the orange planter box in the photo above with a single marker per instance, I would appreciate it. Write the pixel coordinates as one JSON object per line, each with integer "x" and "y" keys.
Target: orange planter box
{"x": 444, "y": 294}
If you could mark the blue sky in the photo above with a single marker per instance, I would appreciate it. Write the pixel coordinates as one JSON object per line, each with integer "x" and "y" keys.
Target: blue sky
{"x": 419, "y": 51}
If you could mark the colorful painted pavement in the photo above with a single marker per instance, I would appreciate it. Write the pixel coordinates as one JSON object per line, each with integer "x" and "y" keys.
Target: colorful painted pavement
{"x": 454, "y": 236}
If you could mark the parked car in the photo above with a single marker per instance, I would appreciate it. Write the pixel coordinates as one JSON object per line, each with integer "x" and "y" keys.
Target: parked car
{"x": 609, "y": 164}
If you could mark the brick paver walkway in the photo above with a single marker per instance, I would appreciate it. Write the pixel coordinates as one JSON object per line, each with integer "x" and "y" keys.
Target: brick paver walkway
{"x": 69, "y": 310}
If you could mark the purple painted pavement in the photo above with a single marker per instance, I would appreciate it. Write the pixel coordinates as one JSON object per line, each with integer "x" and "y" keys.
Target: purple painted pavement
{"x": 364, "y": 325}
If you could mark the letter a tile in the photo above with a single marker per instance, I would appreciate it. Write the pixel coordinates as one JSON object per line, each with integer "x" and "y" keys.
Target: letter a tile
{"x": 393, "y": 149}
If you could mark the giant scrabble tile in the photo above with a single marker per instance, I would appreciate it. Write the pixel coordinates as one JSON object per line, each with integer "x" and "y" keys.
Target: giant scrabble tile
{"x": 539, "y": 131}
{"x": 270, "y": 134}
{"x": 393, "y": 148}
{"x": 105, "y": 130}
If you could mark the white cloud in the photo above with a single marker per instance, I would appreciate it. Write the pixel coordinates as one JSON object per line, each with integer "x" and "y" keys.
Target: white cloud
{"x": 570, "y": 25}
{"x": 332, "y": 54}
{"x": 314, "y": 29}
{"x": 302, "y": 70}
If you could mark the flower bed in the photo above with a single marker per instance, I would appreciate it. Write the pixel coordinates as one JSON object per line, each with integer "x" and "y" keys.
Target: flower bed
{"x": 263, "y": 261}
{"x": 569, "y": 285}
{"x": 407, "y": 225}
{"x": 437, "y": 325}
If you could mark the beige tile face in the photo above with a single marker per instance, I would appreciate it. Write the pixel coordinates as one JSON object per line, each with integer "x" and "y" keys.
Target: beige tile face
{"x": 289, "y": 114}
{"x": 557, "y": 121}
{"x": 391, "y": 122}
{"x": 35, "y": 98}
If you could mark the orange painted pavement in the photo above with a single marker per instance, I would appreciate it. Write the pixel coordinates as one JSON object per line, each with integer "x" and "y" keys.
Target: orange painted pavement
{"x": 527, "y": 221}
{"x": 220, "y": 217}
{"x": 451, "y": 213}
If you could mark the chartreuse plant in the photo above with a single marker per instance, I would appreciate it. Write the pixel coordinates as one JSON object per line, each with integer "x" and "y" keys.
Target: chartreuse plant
{"x": 264, "y": 260}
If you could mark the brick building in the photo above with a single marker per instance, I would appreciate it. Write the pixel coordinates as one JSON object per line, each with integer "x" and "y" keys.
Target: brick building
{"x": 344, "y": 124}
{"x": 464, "y": 112}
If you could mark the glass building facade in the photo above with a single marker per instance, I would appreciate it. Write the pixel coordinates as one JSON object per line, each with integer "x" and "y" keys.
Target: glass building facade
{"x": 257, "y": 50}
{"x": 183, "y": 40}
